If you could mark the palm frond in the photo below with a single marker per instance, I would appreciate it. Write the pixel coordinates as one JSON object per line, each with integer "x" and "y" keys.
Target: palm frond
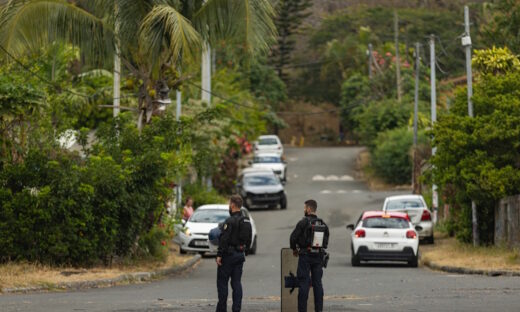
{"x": 249, "y": 22}
{"x": 31, "y": 24}
{"x": 166, "y": 31}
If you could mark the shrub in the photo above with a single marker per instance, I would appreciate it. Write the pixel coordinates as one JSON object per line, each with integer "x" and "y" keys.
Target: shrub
{"x": 202, "y": 196}
{"x": 391, "y": 157}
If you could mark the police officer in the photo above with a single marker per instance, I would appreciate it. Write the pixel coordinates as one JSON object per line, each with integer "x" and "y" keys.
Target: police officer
{"x": 310, "y": 261}
{"x": 234, "y": 241}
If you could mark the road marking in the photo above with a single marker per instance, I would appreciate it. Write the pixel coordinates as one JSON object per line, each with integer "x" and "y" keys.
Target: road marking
{"x": 346, "y": 178}
{"x": 332, "y": 178}
{"x": 295, "y": 176}
{"x": 293, "y": 159}
{"x": 318, "y": 178}
{"x": 341, "y": 192}
{"x": 325, "y": 192}
{"x": 356, "y": 191}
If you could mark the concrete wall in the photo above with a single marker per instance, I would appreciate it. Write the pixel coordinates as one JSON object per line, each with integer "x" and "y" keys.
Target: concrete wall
{"x": 507, "y": 222}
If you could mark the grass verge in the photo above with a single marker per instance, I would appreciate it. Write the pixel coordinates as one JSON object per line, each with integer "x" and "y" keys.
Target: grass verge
{"x": 447, "y": 251}
{"x": 33, "y": 274}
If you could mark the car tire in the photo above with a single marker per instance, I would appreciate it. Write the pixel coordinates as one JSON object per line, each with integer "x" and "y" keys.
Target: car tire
{"x": 283, "y": 203}
{"x": 252, "y": 250}
{"x": 354, "y": 259}
{"x": 182, "y": 251}
{"x": 431, "y": 240}
{"x": 414, "y": 262}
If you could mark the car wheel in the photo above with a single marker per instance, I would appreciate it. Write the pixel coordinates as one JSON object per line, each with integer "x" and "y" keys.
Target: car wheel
{"x": 252, "y": 250}
{"x": 414, "y": 262}
{"x": 182, "y": 251}
{"x": 431, "y": 240}
{"x": 246, "y": 203}
{"x": 354, "y": 260}
{"x": 283, "y": 202}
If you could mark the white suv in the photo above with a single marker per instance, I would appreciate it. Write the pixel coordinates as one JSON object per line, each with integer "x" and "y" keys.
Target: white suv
{"x": 268, "y": 144}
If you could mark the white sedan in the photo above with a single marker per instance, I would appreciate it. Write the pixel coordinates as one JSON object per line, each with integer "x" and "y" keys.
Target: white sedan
{"x": 381, "y": 236}
{"x": 268, "y": 144}
{"x": 415, "y": 207}
{"x": 193, "y": 236}
{"x": 271, "y": 161}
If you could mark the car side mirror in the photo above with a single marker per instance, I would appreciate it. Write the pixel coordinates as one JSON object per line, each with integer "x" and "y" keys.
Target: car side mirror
{"x": 350, "y": 227}
{"x": 250, "y": 162}
{"x": 418, "y": 228}
{"x": 183, "y": 222}
{"x": 239, "y": 185}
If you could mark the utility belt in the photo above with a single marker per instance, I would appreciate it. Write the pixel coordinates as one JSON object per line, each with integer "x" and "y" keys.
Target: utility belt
{"x": 233, "y": 249}
{"x": 321, "y": 252}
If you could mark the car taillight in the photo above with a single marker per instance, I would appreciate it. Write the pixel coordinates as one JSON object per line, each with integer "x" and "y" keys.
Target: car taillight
{"x": 279, "y": 147}
{"x": 411, "y": 234}
{"x": 359, "y": 233}
{"x": 426, "y": 216}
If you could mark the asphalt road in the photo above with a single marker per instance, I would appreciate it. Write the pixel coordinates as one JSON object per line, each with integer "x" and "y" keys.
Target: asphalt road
{"x": 324, "y": 174}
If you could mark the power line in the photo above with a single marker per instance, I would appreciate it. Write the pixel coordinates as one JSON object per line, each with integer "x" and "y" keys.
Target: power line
{"x": 220, "y": 96}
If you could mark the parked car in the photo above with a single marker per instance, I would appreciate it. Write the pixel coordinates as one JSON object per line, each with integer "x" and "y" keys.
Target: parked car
{"x": 416, "y": 208}
{"x": 273, "y": 162}
{"x": 193, "y": 236}
{"x": 268, "y": 144}
{"x": 384, "y": 236}
{"x": 262, "y": 188}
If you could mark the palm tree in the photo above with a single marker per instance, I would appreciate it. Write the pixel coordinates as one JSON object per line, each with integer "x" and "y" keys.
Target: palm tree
{"x": 154, "y": 36}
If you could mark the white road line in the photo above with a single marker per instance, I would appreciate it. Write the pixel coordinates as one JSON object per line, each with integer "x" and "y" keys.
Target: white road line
{"x": 346, "y": 178}
{"x": 332, "y": 178}
{"x": 341, "y": 192}
{"x": 293, "y": 159}
{"x": 318, "y": 178}
{"x": 295, "y": 176}
{"x": 325, "y": 192}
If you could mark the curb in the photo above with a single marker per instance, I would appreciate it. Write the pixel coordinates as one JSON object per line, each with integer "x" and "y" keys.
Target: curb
{"x": 131, "y": 277}
{"x": 462, "y": 270}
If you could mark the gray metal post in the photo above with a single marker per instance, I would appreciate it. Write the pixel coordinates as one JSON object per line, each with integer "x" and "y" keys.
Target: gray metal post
{"x": 397, "y": 59}
{"x": 369, "y": 61}
{"x": 466, "y": 42}
{"x": 178, "y": 191}
{"x": 415, "y": 115}
{"x": 433, "y": 87}
{"x": 117, "y": 65}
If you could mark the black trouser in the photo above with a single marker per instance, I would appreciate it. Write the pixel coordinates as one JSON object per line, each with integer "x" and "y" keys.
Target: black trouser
{"x": 232, "y": 264}
{"x": 310, "y": 265}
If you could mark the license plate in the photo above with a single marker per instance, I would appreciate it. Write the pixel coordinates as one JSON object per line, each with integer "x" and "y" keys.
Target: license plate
{"x": 385, "y": 245}
{"x": 201, "y": 243}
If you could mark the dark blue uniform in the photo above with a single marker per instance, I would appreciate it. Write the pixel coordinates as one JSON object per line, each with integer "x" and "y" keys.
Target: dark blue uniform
{"x": 233, "y": 258}
{"x": 310, "y": 267}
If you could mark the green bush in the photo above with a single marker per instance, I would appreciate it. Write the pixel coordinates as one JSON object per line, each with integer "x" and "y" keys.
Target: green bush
{"x": 202, "y": 196}
{"x": 391, "y": 157}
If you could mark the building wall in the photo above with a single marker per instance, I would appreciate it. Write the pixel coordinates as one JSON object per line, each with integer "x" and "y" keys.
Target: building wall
{"x": 507, "y": 222}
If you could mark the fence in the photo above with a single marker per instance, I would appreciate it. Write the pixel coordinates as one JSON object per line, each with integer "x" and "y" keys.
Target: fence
{"x": 507, "y": 222}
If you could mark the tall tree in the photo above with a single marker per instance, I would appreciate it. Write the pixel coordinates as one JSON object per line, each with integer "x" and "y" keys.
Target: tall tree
{"x": 290, "y": 14}
{"x": 155, "y": 35}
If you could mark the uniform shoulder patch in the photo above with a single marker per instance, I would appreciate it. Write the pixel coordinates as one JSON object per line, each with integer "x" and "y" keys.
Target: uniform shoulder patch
{"x": 225, "y": 226}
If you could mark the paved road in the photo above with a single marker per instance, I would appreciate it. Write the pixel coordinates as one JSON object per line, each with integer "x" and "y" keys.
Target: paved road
{"x": 322, "y": 174}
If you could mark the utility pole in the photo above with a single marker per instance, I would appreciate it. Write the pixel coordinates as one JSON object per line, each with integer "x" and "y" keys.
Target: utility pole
{"x": 117, "y": 64}
{"x": 369, "y": 52}
{"x": 178, "y": 109}
{"x": 433, "y": 87}
{"x": 206, "y": 74}
{"x": 397, "y": 60}
{"x": 415, "y": 116}
{"x": 466, "y": 43}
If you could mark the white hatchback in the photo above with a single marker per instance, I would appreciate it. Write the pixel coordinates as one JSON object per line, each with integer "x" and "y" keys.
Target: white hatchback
{"x": 417, "y": 210}
{"x": 194, "y": 235}
{"x": 273, "y": 162}
{"x": 380, "y": 236}
{"x": 268, "y": 144}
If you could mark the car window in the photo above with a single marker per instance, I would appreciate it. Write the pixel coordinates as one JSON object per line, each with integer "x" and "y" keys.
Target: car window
{"x": 209, "y": 216}
{"x": 397, "y": 204}
{"x": 268, "y": 141}
{"x": 261, "y": 180}
{"x": 267, "y": 159}
{"x": 385, "y": 223}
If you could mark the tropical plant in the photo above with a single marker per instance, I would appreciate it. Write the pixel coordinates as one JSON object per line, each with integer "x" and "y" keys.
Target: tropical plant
{"x": 153, "y": 37}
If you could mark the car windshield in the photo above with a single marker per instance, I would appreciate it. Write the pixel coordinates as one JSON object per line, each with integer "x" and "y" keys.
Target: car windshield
{"x": 398, "y": 204}
{"x": 209, "y": 216}
{"x": 261, "y": 180}
{"x": 267, "y": 141}
{"x": 385, "y": 223}
{"x": 267, "y": 160}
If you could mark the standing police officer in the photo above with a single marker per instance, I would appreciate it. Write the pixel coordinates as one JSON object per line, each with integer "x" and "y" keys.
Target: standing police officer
{"x": 305, "y": 243}
{"x": 233, "y": 243}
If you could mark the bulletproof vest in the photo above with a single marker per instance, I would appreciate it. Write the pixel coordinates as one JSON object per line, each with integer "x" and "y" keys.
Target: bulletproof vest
{"x": 242, "y": 233}
{"x": 316, "y": 234}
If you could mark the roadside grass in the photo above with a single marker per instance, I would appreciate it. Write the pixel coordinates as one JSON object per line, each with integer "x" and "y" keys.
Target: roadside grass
{"x": 25, "y": 274}
{"x": 365, "y": 172}
{"x": 447, "y": 251}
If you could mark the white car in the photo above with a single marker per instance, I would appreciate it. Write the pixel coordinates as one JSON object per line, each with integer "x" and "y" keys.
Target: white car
{"x": 268, "y": 144}
{"x": 193, "y": 236}
{"x": 271, "y": 161}
{"x": 416, "y": 208}
{"x": 381, "y": 236}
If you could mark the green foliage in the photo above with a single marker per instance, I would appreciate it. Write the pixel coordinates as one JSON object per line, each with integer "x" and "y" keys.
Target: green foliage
{"x": 202, "y": 196}
{"x": 504, "y": 24}
{"x": 495, "y": 61}
{"x": 392, "y": 155}
{"x": 155, "y": 243}
{"x": 478, "y": 157}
